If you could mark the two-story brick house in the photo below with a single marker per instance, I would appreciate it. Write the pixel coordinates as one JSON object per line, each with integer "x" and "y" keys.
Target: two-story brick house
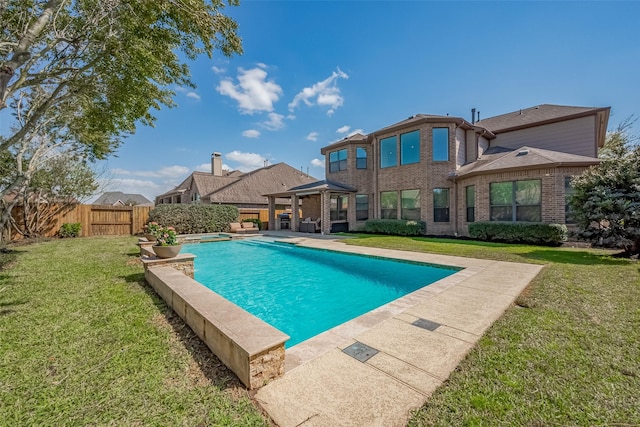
{"x": 450, "y": 172}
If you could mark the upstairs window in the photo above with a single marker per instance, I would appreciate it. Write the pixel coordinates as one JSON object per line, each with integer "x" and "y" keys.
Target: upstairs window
{"x": 440, "y": 141}
{"x": 338, "y": 161}
{"x": 410, "y": 148}
{"x": 361, "y": 158}
{"x": 389, "y": 152}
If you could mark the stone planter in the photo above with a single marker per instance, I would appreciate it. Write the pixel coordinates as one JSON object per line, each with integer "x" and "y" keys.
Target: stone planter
{"x": 150, "y": 237}
{"x": 167, "y": 251}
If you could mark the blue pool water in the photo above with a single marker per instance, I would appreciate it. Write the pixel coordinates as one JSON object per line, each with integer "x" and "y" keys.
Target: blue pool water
{"x": 303, "y": 291}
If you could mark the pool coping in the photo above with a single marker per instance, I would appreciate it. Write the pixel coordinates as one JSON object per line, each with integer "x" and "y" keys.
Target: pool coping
{"x": 416, "y": 342}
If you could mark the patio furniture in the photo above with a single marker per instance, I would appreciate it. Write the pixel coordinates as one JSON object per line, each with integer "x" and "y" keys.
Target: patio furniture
{"x": 243, "y": 228}
{"x": 308, "y": 226}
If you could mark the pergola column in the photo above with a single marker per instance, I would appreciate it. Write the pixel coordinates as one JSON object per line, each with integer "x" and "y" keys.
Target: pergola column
{"x": 274, "y": 224}
{"x": 325, "y": 208}
{"x": 295, "y": 213}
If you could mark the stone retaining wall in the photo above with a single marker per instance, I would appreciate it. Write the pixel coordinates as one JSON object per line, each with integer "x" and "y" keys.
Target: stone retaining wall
{"x": 251, "y": 348}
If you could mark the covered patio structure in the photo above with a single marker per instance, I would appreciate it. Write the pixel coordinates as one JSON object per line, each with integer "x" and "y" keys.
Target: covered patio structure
{"x": 314, "y": 201}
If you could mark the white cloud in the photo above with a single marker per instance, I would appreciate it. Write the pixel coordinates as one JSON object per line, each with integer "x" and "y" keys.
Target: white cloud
{"x": 193, "y": 95}
{"x": 203, "y": 167}
{"x": 313, "y": 136}
{"x": 247, "y": 161}
{"x": 353, "y": 132}
{"x": 343, "y": 129}
{"x": 218, "y": 70}
{"x": 165, "y": 172}
{"x": 324, "y": 93}
{"x": 275, "y": 122}
{"x": 317, "y": 163}
{"x": 253, "y": 93}
{"x": 251, "y": 133}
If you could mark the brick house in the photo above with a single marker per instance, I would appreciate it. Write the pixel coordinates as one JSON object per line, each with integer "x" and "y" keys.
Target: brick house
{"x": 449, "y": 172}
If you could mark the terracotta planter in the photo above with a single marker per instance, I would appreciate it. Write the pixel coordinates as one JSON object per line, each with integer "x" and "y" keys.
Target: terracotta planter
{"x": 150, "y": 237}
{"x": 167, "y": 251}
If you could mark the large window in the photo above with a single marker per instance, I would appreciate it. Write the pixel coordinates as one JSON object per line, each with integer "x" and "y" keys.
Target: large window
{"x": 361, "y": 158}
{"x": 410, "y": 148}
{"x": 338, "y": 210}
{"x": 516, "y": 201}
{"x": 440, "y": 144}
{"x": 362, "y": 207}
{"x": 470, "y": 195}
{"x": 389, "y": 152}
{"x": 410, "y": 204}
{"x": 568, "y": 191}
{"x": 338, "y": 161}
{"x": 389, "y": 205}
{"x": 440, "y": 205}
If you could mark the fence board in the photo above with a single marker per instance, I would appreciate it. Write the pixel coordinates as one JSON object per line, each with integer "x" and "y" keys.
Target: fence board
{"x": 97, "y": 220}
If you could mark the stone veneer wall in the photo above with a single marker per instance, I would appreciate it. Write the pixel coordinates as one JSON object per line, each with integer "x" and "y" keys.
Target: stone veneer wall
{"x": 251, "y": 348}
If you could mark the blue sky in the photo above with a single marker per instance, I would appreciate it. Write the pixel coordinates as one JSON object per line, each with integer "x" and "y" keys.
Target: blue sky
{"x": 315, "y": 72}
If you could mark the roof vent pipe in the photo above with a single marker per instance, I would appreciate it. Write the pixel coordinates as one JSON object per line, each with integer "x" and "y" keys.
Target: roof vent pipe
{"x": 478, "y": 116}
{"x": 473, "y": 115}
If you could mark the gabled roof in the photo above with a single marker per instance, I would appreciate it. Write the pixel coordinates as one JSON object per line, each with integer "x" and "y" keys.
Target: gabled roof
{"x": 252, "y": 186}
{"x": 119, "y": 198}
{"x": 203, "y": 182}
{"x": 540, "y": 114}
{"x": 502, "y": 159}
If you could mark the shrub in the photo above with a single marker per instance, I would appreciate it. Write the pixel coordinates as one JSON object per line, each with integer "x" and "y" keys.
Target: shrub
{"x": 70, "y": 229}
{"x": 519, "y": 232}
{"x": 397, "y": 227}
{"x": 190, "y": 219}
{"x": 256, "y": 221}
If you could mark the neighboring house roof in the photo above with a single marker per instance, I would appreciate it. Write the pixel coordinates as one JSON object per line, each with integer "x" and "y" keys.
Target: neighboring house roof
{"x": 202, "y": 183}
{"x": 498, "y": 159}
{"x": 540, "y": 114}
{"x": 114, "y": 198}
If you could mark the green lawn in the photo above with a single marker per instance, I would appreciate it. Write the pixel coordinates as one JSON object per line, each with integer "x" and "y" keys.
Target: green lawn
{"x": 84, "y": 341}
{"x": 567, "y": 354}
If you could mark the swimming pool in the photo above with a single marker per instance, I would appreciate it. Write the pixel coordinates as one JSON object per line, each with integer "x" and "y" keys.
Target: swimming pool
{"x": 304, "y": 291}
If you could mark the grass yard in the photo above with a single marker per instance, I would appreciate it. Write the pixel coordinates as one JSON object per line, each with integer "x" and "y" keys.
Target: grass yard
{"x": 568, "y": 354}
{"x": 84, "y": 341}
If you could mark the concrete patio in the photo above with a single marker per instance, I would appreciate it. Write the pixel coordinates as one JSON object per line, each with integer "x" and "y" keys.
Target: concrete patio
{"x": 375, "y": 369}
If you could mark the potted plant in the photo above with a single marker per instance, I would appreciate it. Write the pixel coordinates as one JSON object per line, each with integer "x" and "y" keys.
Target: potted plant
{"x": 167, "y": 245}
{"x": 150, "y": 231}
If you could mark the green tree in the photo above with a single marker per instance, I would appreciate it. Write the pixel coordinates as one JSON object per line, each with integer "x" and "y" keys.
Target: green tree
{"x": 606, "y": 199}
{"x": 79, "y": 75}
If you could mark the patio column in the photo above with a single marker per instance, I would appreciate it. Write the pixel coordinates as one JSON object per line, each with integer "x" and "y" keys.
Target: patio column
{"x": 295, "y": 213}
{"x": 325, "y": 209}
{"x": 274, "y": 224}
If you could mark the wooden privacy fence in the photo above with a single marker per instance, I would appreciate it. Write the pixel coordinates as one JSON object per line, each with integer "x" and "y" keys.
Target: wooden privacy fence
{"x": 97, "y": 220}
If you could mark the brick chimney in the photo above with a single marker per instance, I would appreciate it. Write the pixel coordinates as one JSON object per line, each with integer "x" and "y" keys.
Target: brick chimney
{"x": 216, "y": 164}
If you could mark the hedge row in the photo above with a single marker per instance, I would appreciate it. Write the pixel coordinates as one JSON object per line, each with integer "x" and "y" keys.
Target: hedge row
{"x": 396, "y": 227}
{"x": 519, "y": 232}
{"x": 190, "y": 219}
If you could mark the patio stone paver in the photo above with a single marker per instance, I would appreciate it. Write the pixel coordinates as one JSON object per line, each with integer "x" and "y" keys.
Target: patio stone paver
{"x": 323, "y": 386}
